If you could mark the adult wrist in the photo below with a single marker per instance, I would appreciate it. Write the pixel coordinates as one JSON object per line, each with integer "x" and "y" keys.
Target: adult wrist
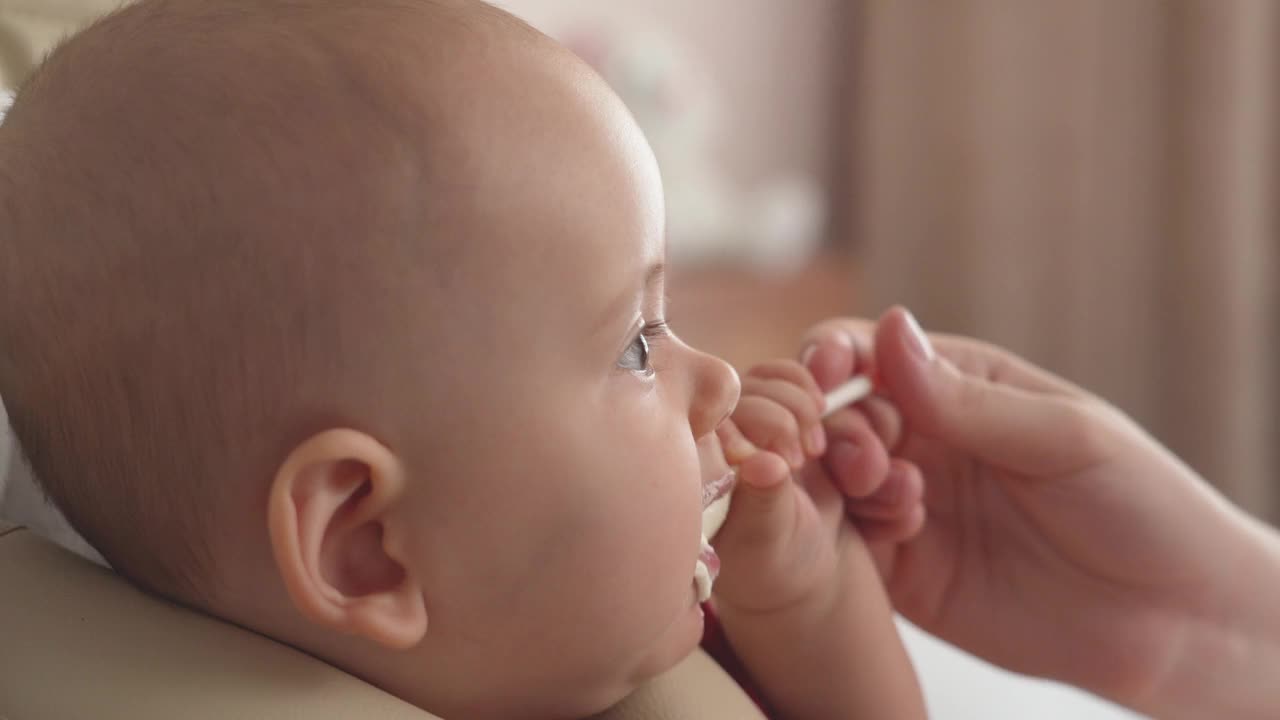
{"x": 1226, "y": 661}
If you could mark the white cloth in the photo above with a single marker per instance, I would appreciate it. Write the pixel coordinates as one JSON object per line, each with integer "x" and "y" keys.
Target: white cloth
{"x": 959, "y": 686}
{"x": 23, "y": 502}
{"x": 6, "y": 451}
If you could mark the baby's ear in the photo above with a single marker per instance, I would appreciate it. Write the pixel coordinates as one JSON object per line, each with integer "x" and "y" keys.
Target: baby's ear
{"x": 328, "y": 516}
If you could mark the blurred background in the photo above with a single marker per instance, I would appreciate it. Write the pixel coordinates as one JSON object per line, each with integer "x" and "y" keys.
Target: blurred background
{"x": 1092, "y": 183}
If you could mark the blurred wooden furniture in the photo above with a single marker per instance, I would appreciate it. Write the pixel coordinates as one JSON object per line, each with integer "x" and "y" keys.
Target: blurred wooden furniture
{"x": 747, "y": 315}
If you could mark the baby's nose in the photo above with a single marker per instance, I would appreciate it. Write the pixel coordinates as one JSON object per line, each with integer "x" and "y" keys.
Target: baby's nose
{"x": 715, "y": 394}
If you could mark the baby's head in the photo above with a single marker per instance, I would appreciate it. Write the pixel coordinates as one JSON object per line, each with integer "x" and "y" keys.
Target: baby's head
{"x": 343, "y": 321}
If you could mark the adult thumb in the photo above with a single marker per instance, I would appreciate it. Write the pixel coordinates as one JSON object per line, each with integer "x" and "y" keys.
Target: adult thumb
{"x": 1027, "y": 430}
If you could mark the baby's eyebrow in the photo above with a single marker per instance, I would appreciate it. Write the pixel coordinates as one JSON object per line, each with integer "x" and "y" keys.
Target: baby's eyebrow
{"x": 654, "y": 276}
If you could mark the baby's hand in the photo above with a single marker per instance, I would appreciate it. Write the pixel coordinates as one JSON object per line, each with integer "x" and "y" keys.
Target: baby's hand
{"x": 800, "y": 594}
{"x": 802, "y": 485}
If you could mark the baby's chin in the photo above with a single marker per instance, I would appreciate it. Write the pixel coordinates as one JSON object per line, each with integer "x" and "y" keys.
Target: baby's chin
{"x": 674, "y": 645}
{"x": 609, "y": 682}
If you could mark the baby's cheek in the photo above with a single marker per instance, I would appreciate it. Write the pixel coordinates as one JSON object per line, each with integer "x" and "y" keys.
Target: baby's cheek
{"x": 656, "y": 521}
{"x": 642, "y": 503}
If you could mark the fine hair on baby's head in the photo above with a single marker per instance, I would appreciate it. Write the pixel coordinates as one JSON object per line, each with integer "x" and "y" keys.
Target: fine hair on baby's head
{"x": 201, "y": 197}
{"x": 344, "y": 321}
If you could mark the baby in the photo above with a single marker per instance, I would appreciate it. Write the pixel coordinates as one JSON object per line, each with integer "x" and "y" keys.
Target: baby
{"x": 344, "y": 322}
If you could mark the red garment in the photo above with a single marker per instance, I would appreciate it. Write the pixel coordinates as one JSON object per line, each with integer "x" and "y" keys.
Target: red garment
{"x": 717, "y": 646}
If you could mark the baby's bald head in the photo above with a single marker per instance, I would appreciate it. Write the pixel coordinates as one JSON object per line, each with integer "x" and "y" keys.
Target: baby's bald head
{"x": 332, "y": 317}
{"x": 219, "y": 217}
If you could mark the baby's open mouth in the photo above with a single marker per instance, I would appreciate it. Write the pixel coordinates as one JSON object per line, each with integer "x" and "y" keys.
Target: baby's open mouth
{"x": 715, "y": 505}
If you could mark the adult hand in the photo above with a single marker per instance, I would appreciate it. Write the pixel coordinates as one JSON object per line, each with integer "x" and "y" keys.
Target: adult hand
{"x": 1061, "y": 539}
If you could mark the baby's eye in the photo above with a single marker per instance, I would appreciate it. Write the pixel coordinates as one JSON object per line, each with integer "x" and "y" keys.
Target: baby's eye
{"x": 636, "y": 357}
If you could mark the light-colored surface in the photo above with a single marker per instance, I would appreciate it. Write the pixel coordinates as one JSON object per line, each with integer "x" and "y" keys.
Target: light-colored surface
{"x": 958, "y": 686}
{"x": 67, "y": 9}
{"x": 81, "y": 643}
{"x": 6, "y": 452}
{"x": 29, "y": 28}
{"x": 769, "y": 62}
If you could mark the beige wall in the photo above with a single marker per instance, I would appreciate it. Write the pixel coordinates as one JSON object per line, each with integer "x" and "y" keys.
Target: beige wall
{"x": 771, "y": 60}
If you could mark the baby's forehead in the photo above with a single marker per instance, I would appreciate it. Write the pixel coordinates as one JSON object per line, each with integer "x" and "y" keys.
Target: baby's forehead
{"x": 560, "y": 201}
{"x": 506, "y": 168}
{"x": 569, "y": 246}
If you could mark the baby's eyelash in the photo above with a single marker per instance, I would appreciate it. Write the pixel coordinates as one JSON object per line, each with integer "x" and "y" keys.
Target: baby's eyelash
{"x": 656, "y": 329}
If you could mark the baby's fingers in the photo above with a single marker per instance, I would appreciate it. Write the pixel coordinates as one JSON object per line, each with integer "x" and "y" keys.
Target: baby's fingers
{"x": 896, "y": 512}
{"x": 736, "y": 447}
{"x": 897, "y": 530}
{"x": 884, "y": 419}
{"x": 768, "y": 424}
{"x": 801, "y": 403}
{"x": 856, "y": 459}
{"x": 792, "y": 372}
{"x": 901, "y": 491}
{"x": 761, "y": 515}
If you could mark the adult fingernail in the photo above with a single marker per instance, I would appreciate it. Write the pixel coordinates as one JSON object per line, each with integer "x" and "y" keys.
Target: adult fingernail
{"x": 817, "y": 440}
{"x": 807, "y": 354}
{"x": 918, "y": 342}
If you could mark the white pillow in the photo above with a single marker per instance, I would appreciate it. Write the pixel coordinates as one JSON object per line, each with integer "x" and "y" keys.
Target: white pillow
{"x": 6, "y": 451}
{"x": 22, "y": 501}
{"x": 959, "y": 686}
